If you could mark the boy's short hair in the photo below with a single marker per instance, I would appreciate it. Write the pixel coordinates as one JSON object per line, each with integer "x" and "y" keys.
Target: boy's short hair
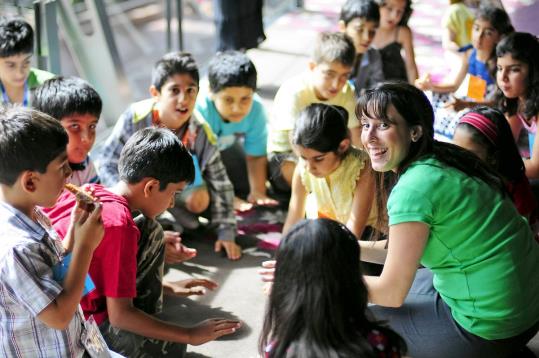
{"x": 334, "y": 47}
{"x": 155, "y": 153}
{"x": 171, "y": 64}
{"x": 367, "y": 10}
{"x": 231, "y": 69}
{"x": 29, "y": 140}
{"x": 16, "y": 37}
{"x": 64, "y": 96}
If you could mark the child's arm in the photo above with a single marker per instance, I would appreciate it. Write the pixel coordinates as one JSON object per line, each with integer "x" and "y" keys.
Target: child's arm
{"x": 532, "y": 164}
{"x": 516, "y": 126}
{"x": 296, "y": 208}
{"x": 88, "y": 233}
{"x": 123, "y": 315}
{"x": 362, "y": 203}
{"x": 407, "y": 42}
{"x": 425, "y": 83}
{"x": 257, "y": 172}
{"x": 448, "y": 40}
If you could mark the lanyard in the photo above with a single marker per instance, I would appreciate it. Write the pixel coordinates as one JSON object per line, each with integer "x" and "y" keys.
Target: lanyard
{"x": 6, "y": 100}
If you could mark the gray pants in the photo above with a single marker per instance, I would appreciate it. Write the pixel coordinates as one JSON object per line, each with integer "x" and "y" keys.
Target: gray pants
{"x": 426, "y": 324}
{"x": 150, "y": 263}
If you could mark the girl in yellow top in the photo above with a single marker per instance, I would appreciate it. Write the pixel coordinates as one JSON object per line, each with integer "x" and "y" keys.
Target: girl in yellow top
{"x": 334, "y": 180}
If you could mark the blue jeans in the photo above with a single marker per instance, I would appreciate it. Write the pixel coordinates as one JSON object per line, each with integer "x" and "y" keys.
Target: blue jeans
{"x": 426, "y": 324}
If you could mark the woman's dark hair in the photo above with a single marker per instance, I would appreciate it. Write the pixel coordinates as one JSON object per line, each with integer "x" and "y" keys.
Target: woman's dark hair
{"x": 500, "y": 21}
{"x": 319, "y": 310}
{"x": 321, "y": 127}
{"x": 523, "y": 47}
{"x": 503, "y": 155}
{"x": 414, "y": 107}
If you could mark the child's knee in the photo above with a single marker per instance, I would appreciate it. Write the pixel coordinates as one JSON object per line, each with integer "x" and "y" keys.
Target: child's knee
{"x": 198, "y": 201}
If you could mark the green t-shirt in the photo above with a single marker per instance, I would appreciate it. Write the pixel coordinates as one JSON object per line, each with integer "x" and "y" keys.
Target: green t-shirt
{"x": 481, "y": 251}
{"x": 37, "y": 77}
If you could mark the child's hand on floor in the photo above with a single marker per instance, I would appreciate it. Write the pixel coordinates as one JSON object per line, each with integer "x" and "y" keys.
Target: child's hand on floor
{"x": 175, "y": 251}
{"x": 211, "y": 329}
{"x": 233, "y": 250}
{"x": 189, "y": 287}
{"x": 261, "y": 199}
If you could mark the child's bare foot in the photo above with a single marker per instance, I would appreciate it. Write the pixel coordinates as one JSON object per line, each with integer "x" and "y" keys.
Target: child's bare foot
{"x": 241, "y": 205}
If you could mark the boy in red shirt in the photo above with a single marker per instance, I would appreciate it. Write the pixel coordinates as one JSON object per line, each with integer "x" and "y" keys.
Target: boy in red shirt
{"x": 127, "y": 266}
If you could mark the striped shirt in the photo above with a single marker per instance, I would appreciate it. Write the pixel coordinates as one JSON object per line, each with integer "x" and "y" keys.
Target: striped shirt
{"x": 28, "y": 253}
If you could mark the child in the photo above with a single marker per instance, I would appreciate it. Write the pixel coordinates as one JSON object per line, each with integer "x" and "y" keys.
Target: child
{"x": 475, "y": 74}
{"x": 17, "y": 78}
{"x": 394, "y": 35}
{"x": 77, "y": 106}
{"x": 320, "y": 309}
{"x": 485, "y": 132}
{"x": 517, "y": 77}
{"x": 174, "y": 90}
{"x": 457, "y": 24}
{"x": 336, "y": 177}
{"x": 359, "y": 20}
{"x": 127, "y": 266}
{"x": 325, "y": 82}
{"x": 236, "y": 115}
{"x": 39, "y": 308}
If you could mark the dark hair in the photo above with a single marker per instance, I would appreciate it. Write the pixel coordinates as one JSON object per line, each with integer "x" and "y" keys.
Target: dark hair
{"x": 64, "y": 96}
{"x": 320, "y": 309}
{"x": 523, "y": 47}
{"x": 231, "y": 69}
{"x": 174, "y": 63}
{"x": 414, "y": 107}
{"x": 155, "y": 153}
{"x": 500, "y": 21}
{"x": 406, "y": 13}
{"x": 334, "y": 47}
{"x": 16, "y": 37}
{"x": 321, "y": 127}
{"x": 504, "y": 155}
{"x": 364, "y": 9}
{"x": 29, "y": 140}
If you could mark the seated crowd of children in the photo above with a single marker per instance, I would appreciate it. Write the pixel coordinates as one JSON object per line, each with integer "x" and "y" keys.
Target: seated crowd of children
{"x": 351, "y": 143}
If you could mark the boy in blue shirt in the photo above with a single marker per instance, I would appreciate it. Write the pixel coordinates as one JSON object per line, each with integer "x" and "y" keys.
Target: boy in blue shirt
{"x": 17, "y": 77}
{"x": 237, "y": 117}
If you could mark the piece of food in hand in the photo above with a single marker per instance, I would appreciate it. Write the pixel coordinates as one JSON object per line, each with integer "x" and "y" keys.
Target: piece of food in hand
{"x": 85, "y": 200}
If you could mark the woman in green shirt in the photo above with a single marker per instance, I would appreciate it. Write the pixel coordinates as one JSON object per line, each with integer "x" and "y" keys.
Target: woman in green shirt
{"x": 478, "y": 295}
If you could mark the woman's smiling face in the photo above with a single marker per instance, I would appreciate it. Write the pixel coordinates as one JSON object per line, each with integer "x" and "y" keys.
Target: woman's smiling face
{"x": 386, "y": 141}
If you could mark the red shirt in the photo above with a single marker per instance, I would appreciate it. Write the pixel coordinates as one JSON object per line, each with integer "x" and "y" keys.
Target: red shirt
{"x": 113, "y": 268}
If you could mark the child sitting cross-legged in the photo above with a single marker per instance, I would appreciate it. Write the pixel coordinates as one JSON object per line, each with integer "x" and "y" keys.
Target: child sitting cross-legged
{"x": 127, "y": 266}
{"x": 236, "y": 115}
